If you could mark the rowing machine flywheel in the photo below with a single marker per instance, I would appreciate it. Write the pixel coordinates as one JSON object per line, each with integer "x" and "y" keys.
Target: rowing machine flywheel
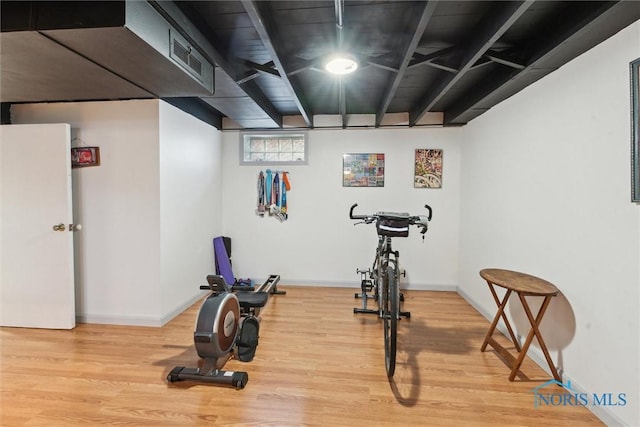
{"x": 217, "y": 325}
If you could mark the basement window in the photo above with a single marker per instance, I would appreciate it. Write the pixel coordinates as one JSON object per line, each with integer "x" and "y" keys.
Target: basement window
{"x": 273, "y": 148}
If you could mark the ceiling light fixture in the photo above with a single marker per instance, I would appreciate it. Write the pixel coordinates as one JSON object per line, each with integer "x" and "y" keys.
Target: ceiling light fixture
{"x": 341, "y": 64}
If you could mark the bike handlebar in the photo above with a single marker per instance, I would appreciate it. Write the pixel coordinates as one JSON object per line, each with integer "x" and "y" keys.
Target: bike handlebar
{"x": 352, "y": 216}
{"x": 416, "y": 220}
{"x": 430, "y": 212}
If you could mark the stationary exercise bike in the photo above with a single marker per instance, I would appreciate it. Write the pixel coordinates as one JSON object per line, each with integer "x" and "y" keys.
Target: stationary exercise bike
{"x": 227, "y": 326}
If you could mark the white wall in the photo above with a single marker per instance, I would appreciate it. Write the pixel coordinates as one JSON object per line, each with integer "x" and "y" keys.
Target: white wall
{"x": 133, "y": 250}
{"x": 546, "y": 190}
{"x": 190, "y": 214}
{"x": 539, "y": 184}
{"x": 116, "y": 202}
{"x": 318, "y": 244}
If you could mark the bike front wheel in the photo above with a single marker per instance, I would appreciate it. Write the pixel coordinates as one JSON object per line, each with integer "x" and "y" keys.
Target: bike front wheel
{"x": 390, "y": 311}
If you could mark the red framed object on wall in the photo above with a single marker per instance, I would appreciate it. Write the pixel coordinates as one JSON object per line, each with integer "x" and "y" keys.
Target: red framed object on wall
{"x": 85, "y": 156}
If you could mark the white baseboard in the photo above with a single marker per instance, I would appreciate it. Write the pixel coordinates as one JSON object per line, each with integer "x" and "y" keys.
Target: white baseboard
{"x": 604, "y": 414}
{"x": 356, "y": 285}
{"x": 151, "y": 321}
{"x": 185, "y": 305}
{"x": 103, "y": 319}
{"x": 535, "y": 354}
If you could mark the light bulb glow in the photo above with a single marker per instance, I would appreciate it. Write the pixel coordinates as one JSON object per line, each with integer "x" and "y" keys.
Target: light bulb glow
{"x": 341, "y": 65}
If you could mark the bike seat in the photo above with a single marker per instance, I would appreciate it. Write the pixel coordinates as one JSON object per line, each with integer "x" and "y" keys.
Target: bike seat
{"x": 249, "y": 300}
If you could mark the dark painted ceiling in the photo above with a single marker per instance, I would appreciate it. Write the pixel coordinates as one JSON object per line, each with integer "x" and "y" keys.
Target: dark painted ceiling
{"x": 421, "y": 63}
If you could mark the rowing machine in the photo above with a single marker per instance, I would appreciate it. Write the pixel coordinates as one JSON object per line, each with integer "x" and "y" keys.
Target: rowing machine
{"x": 227, "y": 326}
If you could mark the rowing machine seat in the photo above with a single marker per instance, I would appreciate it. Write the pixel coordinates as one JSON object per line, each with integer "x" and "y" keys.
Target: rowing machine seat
{"x": 250, "y": 300}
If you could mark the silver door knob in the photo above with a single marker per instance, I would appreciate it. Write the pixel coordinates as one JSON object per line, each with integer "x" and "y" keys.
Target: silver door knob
{"x": 75, "y": 227}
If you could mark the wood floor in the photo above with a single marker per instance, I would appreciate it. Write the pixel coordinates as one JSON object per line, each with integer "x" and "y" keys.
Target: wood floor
{"x": 317, "y": 364}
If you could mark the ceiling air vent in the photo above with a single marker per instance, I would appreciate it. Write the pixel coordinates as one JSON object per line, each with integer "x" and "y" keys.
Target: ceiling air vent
{"x": 188, "y": 57}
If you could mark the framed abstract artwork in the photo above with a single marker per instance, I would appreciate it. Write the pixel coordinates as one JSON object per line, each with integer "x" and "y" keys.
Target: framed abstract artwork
{"x": 428, "y": 168}
{"x": 363, "y": 170}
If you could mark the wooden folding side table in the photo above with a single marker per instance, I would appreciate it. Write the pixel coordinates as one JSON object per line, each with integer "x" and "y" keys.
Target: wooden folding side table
{"x": 523, "y": 285}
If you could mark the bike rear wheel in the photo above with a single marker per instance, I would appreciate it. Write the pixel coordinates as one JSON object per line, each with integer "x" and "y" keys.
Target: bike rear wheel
{"x": 390, "y": 313}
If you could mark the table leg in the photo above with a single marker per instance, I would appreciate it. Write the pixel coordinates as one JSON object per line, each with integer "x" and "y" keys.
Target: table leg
{"x": 501, "y": 306}
{"x": 534, "y": 332}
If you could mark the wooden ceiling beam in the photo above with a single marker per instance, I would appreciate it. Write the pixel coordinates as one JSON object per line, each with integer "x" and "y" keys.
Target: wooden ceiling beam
{"x": 572, "y": 25}
{"x": 410, "y": 47}
{"x": 490, "y": 29}
{"x": 262, "y": 20}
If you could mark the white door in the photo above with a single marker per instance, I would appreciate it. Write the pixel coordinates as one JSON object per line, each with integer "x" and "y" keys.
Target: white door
{"x": 36, "y": 262}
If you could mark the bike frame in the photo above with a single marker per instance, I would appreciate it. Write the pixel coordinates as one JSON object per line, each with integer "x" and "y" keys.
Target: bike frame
{"x": 385, "y": 275}
{"x": 385, "y": 257}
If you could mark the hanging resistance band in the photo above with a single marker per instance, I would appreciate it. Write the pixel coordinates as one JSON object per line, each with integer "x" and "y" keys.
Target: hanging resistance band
{"x": 268, "y": 180}
{"x": 283, "y": 204}
{"x": 272, "y": 188}
{"x": 261, "y": 194}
